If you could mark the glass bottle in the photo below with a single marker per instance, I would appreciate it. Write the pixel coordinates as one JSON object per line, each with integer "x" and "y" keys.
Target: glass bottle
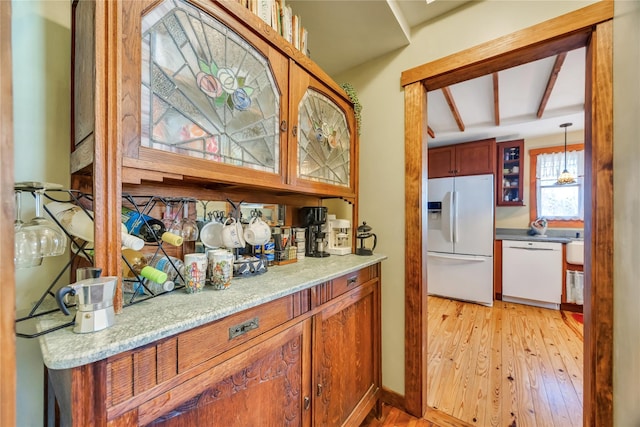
{"x": 148, "y": 228}
{"x": 164, "y": 263}
{"x": 136, "y": 266}
{"x": 80, "y": 224}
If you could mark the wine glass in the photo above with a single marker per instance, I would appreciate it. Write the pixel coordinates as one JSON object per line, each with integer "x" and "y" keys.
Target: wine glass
{"x": 26, "y": 249}
{"x": 170, "y": 219}
{"x": 188, "y": 225}
{"x": 53, "y": 241}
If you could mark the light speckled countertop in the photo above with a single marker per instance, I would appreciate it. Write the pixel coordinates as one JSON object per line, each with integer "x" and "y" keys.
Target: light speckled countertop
{"x": 169, "y": 314}
{"x": 553, "y": 235}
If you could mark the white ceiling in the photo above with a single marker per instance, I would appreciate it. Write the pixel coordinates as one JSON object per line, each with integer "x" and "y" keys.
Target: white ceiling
{"x": 347, "y": 33}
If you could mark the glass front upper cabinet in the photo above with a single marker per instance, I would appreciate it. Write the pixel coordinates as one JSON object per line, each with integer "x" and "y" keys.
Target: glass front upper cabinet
{"x": 324, "y": 141}
{"x": 206, "y": 92}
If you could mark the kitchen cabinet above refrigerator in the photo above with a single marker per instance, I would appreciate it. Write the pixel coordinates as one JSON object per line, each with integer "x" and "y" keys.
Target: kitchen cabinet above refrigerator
{"x": 469, "y": 158}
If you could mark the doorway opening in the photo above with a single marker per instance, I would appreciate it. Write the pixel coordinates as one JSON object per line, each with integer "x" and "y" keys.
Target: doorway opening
{"x": 590, "y": 27}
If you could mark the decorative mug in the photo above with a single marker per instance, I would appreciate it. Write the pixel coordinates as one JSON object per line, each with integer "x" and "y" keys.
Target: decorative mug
{"x": 195, "y": 272}
{"x": 220, "y": 270}
{"x": 232, "y": 234}
{"x": 257, "y": 232}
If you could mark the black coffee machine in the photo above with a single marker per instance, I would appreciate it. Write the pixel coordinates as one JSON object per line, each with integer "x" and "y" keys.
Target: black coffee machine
{"x": 314, "y": 218}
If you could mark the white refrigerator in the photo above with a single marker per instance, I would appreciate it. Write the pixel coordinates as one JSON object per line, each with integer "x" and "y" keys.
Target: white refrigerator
{"x": 460, "y": 236}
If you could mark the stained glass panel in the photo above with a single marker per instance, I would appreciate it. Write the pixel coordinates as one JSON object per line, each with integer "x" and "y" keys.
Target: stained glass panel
{"x": 324, "y": 140}
{"x": 206, "y": 92}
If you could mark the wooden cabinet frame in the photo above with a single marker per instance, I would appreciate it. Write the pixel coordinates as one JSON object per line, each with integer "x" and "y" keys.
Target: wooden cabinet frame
{"x": 115, "y": 157}
{"x": 138, "y": 386}
{"x": 592, "y": 27}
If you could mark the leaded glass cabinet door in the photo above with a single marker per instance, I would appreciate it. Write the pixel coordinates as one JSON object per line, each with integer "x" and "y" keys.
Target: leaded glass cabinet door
{"x": 209, "y": 95}
{"x": 325, "y": 152}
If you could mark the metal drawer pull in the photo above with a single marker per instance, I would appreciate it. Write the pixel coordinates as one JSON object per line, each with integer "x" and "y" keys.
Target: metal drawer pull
{"x": 243, "y": 328}
{"x": 352, "y": 280}
{"x": 307, "y": 403}
{"x": 283, "y": 126}
{"x": 319, "y": 393}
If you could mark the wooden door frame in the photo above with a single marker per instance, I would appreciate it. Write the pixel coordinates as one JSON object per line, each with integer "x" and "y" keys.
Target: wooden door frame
{"x": 7, "y": 274}
{"x": 591, "y": 26}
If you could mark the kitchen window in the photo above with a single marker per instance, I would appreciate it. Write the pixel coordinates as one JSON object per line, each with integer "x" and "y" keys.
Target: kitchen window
{"x": 561, "y": 205}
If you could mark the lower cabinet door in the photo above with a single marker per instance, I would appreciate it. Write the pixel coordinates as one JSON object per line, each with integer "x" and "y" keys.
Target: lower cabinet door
{"x": 263, "y": 386}
{"x": 345, "y": 358}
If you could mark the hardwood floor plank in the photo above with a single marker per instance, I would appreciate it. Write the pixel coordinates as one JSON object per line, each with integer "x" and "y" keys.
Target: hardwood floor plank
{"x": 493, "y": 410}
{"x": 561, "y": 417}
{"x": 510, "y": 365}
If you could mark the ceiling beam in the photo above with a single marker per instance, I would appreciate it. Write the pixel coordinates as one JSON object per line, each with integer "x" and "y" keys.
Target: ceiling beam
{"x": 452, "y": 106}
{"x": 552, "y": 81}
{"x": 496, "y": 99}
{"x": 430, "y": 132}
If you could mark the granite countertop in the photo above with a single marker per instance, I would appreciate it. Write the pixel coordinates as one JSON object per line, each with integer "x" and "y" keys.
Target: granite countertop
{"x": 169, "y": 314}
{"x": 556, "y": 236}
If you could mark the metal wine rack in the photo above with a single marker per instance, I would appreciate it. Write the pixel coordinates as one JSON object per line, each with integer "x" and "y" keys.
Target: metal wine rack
{"x": 46, "y": 304}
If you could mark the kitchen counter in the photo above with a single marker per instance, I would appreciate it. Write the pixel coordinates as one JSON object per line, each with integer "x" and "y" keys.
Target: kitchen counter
{"x": 169, "y": 314}
{"x": 553, "y": 235}
{"x": 527, "y": 238}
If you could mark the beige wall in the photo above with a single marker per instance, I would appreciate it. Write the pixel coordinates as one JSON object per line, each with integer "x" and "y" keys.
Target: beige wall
{"x": 382, "y": 139}
{"x": 518, "y": 216}
{"x": 41, "y": 72}
{"x": 626, "y": 149}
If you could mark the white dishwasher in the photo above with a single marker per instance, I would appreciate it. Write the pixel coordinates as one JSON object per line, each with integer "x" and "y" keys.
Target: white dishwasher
{"x": 532, "y": 273}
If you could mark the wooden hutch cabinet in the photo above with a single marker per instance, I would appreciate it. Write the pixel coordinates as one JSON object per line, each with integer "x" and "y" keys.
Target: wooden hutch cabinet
{"x": 210, "y": 93}
{"x": 203, "y": 99}
{"x": 469, "y": 158}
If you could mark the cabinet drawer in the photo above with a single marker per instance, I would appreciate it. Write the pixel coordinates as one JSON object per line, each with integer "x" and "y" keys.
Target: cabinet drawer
{"x": 342, "y": 284}
{"x": 207, "y": 341}
{"x": 349, "y": 281}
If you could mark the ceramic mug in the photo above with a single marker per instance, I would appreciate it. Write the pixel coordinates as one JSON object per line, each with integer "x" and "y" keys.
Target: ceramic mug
{"x": 195, "y": 272}
{"x": 232, "y": 234}
{"x": 257, "y": 232}
{"x": 211, "y": 234}
{"x": 220, "y": 268}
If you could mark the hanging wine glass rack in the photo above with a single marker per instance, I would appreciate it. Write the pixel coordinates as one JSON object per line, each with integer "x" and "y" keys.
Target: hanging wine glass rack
{"x": 143, "y": 205}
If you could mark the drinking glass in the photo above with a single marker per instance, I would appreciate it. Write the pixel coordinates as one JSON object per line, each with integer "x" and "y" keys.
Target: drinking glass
{"x": 53, "y": 241}
{"x": 188, "y": 225}
{"x": 170, "y": 219}
{"x": 26, "y": 250}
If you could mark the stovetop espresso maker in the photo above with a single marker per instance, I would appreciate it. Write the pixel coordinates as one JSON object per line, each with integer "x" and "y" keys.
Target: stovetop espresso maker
{"x": 94, "y": 301}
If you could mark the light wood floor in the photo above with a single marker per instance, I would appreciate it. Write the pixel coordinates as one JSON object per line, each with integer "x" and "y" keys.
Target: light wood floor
{"x": 509, "y": 366}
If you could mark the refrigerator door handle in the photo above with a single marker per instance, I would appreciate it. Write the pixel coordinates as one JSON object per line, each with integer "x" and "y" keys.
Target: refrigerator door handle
{"x": 447, "y": 216}
{"x": 458, "y": 257}
{"x": 456, "y": 202}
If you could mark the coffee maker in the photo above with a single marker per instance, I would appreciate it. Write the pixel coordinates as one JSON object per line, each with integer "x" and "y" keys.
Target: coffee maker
{"x": 313, "y": 218}
{"x": 94, "y": 299}
{"x": 339, "y": 235}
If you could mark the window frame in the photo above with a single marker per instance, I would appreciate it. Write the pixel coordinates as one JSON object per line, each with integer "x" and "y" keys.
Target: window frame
{"x": 533, "y": 187}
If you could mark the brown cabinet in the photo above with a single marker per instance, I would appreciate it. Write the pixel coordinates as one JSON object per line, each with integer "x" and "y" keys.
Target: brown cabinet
{"x": 509, "y": 180}
{"x": 470, "y": 158}
{"x": 312, "y": 359}
{"x": 322, "y": 149}
{"x": 213, "y": 107}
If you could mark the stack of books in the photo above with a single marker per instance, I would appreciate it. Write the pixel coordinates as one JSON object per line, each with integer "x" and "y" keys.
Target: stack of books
{"x": 281, "y": 18}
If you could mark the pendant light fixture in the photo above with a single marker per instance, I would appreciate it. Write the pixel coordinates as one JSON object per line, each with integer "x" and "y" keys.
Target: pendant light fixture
{"x": 565, "y": 177}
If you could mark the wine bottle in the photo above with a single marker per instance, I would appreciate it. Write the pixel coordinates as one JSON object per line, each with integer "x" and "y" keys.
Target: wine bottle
{"x": 138, "y": 266}
{"x": 148, "y": 228}
{"x": 79, "y": 224}
{"x": 163, "y": 263}
{"x": 157, "y": 288}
